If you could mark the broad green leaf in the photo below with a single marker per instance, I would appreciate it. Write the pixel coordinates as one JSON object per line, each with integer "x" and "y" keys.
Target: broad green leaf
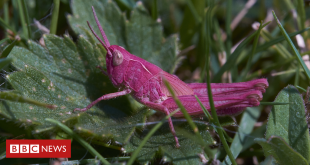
{"x": 62, "y": 74}
{"x": 257, "y": 133}
{"x": 281, "y": 151}
{"x": 162, "y": 143}
{"x": 140, "y": 35}
{"x": 102, "y": 130}
{"x": 76, "y": 137}
{"x": 109, "y": 15}
{"x": 245, "y": 128}
{"x": 289, "y": 121}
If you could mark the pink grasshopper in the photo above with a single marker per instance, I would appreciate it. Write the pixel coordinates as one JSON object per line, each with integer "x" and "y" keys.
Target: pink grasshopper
{"x": 144, "y": 81}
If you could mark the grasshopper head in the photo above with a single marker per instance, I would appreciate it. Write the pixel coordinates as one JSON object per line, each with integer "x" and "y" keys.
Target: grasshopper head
{"x": 116, "y": 57}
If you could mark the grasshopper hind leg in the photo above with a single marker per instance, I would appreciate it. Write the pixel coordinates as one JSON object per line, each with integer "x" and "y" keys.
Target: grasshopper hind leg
{"x": 166, "y": 111}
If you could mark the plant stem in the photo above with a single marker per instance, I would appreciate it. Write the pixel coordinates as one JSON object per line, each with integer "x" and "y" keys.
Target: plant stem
{"x": 301, "y": 88}
{"x": 193, "y": 10}
{"x": 6, "y": 12}
{"x": 26, "y": 14}
{"x": 55, "y": 14}
{"x": 213, "y": 111}
{"x": 22, "y": 18}
{"x": 154, "y": 10}
{"x": 227, "y": 27}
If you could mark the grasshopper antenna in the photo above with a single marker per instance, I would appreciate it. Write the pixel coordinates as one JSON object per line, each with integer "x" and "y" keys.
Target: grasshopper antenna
{"x": 92, "y": 30}
{"x": 100, "y": 28}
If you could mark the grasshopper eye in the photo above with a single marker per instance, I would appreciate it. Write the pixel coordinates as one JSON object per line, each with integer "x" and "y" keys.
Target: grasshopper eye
{"x": 117, "y": 58}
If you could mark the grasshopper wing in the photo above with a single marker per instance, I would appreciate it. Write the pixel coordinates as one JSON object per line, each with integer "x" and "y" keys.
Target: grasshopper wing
{"x": 227, "y": 105}
{"x": 179, "y": 87}
{"x": 230, "y": 88}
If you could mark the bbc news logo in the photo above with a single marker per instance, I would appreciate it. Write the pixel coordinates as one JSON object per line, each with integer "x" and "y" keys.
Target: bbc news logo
{"x": 38, "y": 148}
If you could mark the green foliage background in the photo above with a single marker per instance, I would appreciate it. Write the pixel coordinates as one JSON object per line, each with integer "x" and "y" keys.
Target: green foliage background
{"x": 59, "y": 69}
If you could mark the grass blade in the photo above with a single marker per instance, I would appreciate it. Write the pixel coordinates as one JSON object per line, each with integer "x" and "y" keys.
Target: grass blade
{"x": 193, "y": 10}
{"x": 78, "y": 139}
{"x": 266, "y": 45}
{"x": 301, "y": 13}
{"x": 26, "y": 14}
{"x": 55, "y": 14}
{"x": 246, "y": 126}
{"x": 207, "y": 41}
{"x": 301, "y": 61}
{"x": 147, "y": 137}
{"x": 4, "y": 25}
{"x": 3, "y": 40}
{"x": 22, "y": 18}
{"x": 189, "y": 119}
{"x": 6, "y": 12}
{"x": 11, "y": 96}
{"x": 154, "y": 10}
{"x": 227, "y": 27}
{"x": 204, "y": 109}
{"x": 4, "y": 62}
{"x": 304, "y": 90}
{"x": 8, "y": 49}
{"x": 231, "y": 61}
{"x": 248, "y": 65}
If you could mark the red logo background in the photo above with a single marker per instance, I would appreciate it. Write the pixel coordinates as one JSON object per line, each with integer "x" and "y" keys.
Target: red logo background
{"x": 38, "y": 148}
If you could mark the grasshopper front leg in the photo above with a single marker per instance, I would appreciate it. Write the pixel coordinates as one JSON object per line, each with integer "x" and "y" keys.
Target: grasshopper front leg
{"x": 103, "y": 71}
{"x": 104, "y": 97}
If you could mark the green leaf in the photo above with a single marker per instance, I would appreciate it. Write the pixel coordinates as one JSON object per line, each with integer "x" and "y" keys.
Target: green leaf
{"x": 249, "y": 140}
{"x": 281, "y": 151}
{"x": 64, "y": 74}
{"x": 246, "y": 126}
{"x": 120, "y": 129}
{"x": 289, "y": 121}
{"x": 78, "y": 139}
{"x": 140, "y": 35}
{"x": 8, "y": 49}
{"x": 162, "y": 143}
{"x": 61, "y": 74}
{"x": 4, "y": 62}
{"x": 226, "y": 120}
